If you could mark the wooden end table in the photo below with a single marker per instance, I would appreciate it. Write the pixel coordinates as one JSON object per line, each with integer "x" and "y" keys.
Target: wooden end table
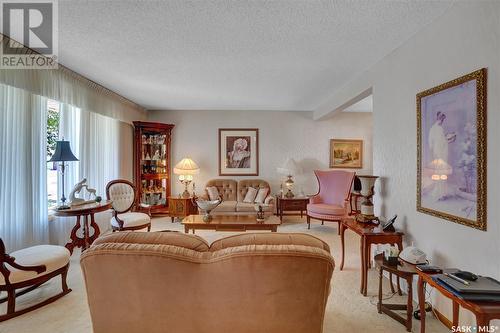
{"x": 85, "y": 211}
{"x": 181, "y": 207}
{"x": 370, "y": 234}
{"x": 402, "y": 270}
{"x": 291, "y": 205}
{"x": 230, "y": 223}
{"x": 484, "y": 311}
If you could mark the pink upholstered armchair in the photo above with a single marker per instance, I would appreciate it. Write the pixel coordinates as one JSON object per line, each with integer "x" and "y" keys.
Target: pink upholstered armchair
{"x": 331, "y": 202}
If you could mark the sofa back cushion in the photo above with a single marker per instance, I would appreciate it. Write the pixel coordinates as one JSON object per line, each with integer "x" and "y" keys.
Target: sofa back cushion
{"x": 244, "y": 184}
{"x": 226, "y": 187}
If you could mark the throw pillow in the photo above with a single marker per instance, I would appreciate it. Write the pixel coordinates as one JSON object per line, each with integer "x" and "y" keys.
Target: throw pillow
{"x": 261, "y": 195}
{"x": 250, "y": 196}
{"x": 213, "y": 193}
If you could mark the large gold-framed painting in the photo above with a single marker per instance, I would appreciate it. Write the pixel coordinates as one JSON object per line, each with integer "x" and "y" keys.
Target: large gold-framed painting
{"x": 451, "y": 150}
{"x": 346, "y": 153}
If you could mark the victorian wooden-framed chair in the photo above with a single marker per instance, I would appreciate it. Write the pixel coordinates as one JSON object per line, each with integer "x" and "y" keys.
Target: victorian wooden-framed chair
{"x": 27, "y": 269}
{"x": 128, "y": 214}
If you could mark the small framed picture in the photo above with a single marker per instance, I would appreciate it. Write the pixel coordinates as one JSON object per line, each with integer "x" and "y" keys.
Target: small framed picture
{"x": 238, "y": 152}
{"x": 346, "y": 153}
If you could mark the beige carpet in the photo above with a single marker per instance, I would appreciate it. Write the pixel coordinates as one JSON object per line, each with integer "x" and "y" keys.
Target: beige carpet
{"x": 347, "y": 309}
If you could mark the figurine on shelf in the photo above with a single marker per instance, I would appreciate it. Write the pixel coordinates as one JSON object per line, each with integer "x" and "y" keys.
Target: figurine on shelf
{"x": 144, "y": 140}
{"x": 156, "y": 156}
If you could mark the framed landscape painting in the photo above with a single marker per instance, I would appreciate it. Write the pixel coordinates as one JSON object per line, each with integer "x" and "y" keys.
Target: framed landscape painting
{"x": 451, "y": 150}
{"x": 238, "y": 152}
{"x": 346, "y": 153}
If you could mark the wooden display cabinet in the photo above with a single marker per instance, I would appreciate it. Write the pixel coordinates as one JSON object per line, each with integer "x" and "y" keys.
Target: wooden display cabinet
{"x": 152, "y": 170}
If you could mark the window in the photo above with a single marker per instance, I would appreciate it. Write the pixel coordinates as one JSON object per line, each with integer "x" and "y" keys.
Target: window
{"x": 53, "y": 118}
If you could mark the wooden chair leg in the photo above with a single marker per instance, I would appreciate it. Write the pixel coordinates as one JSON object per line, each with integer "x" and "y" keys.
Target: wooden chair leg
{"x": 11, "y": 301}
{"x": 149, "y": 228}
{"x": 64, "y": 284}
{"x": 338, "y": 227}
{"x": 308, "y": 222}
{"x": 322, "y": 222}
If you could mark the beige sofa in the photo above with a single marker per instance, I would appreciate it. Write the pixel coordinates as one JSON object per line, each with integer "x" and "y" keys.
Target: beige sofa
{"x": 233, "y": 193}
{"x": 172, "y": 282}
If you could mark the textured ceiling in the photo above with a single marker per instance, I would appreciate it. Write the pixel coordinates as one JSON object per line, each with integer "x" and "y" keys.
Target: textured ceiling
{"x": 246, "y": 55}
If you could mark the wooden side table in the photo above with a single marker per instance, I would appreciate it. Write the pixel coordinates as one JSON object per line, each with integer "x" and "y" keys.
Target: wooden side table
{"x": 403, "y": 270}
{"x": 484, "y": 311}
{"x": 85, "y": 211}
{"x": 370, "y": 234}
{"x": 181, "y": 207}
{"x": 291, "y": 205}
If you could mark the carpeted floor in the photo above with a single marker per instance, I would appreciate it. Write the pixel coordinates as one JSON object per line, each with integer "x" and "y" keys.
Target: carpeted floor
{"x": 347, "y": 309}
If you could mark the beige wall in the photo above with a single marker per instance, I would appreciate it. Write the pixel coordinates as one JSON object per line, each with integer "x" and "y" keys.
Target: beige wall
{"x": 281, "y": 135}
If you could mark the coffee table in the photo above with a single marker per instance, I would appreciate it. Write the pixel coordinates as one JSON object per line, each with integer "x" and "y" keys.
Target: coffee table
{"x": 230, "y": 223}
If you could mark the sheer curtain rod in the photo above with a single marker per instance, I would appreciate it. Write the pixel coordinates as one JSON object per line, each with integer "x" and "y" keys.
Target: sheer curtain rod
{"x": 94, "y": 85}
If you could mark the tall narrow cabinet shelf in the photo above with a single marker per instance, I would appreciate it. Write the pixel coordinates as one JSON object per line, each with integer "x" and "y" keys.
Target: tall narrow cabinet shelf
{"x": 152, "y": 161}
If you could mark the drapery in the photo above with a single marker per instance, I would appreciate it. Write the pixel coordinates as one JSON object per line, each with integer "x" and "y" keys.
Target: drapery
{"x": 23, "y": 174}
{"x": 94, "y": 140}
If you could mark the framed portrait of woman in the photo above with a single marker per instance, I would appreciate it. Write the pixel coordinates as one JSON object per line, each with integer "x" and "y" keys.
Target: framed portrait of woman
{"x": 238, "y": 152}
{"x": 451, "y": 150}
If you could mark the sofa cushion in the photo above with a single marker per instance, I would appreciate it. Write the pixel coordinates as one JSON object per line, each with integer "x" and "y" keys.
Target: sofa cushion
{"x": 326, "y": 209}
{"x": 269, "y": 239}
{"x": 250, "y": 207}
{"x": 131, "y": 219}
{"x": 52, "y": 256}
{"x": 213, "y": 192}
{"x": 225, "y": 206}
{"x": 262, "y": 195}
{"x": 192, "y": 242}
{"x": 226, "y": 187}
{"x": 251, "y": 194}
{"x": 244, "y": 184}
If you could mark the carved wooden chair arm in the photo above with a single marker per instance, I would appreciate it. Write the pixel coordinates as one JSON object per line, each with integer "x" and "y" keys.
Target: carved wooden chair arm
{"x": 120, "y": 222}
{"x": 11, "y": 261}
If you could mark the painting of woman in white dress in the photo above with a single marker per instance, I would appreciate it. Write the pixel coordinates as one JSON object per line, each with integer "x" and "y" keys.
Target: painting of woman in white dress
{"x": 238, "y": 152}
{"x": 451, "y": 128}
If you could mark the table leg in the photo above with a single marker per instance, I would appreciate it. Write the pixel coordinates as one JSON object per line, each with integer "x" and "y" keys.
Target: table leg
{"x": 71, "y": 245}
{"x": 482, "y": 322}
{"x": 390, "y": 281}
{"x": 172, "y": 219}
{"x": 455, "y": 314}
{"x": 379, "y": 305}
{"x": 274, "y": 228}
{"x": 400, "y": 247}
{"x": 409, "y": 306}
{"x": 85, "y": 230}
{"x": 421, "y": 303}
{"x": 342, "y": 232}
{"x": 94, "y": 226}
{"x": 186, "y": 229}
{"x": 366, "y": 247}
{"x": 362, "y": 255}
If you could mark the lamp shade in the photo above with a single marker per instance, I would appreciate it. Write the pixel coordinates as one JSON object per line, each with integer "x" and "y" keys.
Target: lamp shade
{"x": 63, "y": 152}
{"x": 290, "y": 168}
{"x": 186, "y": 167}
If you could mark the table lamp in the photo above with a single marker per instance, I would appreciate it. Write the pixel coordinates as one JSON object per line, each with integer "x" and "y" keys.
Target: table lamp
{"x": 290, "y": 169}
{"x": 186, "y": 168}
{"x": 63, "y": 154}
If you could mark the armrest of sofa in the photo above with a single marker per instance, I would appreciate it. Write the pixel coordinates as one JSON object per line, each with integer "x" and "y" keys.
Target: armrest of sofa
{"x": 315, "y": 199}
{"x": 269, "y": 200}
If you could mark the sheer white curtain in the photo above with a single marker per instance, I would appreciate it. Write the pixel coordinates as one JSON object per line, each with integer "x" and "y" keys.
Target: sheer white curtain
{"x": 23, "y": 168}
{"x": 94, "y": 140}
